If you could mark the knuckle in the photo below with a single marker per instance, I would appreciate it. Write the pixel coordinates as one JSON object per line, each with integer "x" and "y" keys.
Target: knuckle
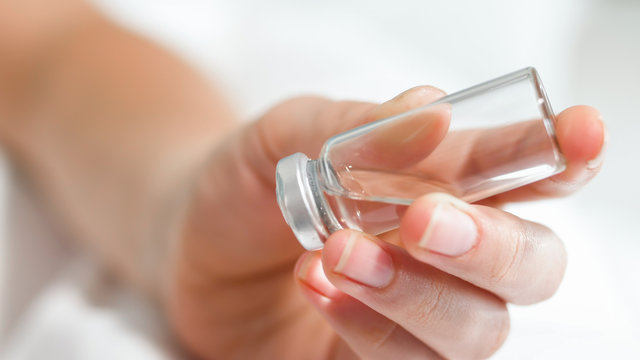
{"x": 531, "y": 265}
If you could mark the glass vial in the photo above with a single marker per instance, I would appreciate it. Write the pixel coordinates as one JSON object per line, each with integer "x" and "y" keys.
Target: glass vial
{"x": 472, "y": 144}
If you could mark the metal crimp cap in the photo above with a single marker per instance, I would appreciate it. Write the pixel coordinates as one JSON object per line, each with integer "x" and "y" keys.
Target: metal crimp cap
{"x": 297, "y": 190}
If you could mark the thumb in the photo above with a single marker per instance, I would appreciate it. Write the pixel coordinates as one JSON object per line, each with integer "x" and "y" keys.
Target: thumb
{"x": 304, "y": 124}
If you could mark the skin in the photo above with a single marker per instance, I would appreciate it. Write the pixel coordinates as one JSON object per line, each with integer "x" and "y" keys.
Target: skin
{"x": 146, "y": 167}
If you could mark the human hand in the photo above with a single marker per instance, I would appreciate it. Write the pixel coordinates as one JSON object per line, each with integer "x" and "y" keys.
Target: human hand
{"x": 231, "y": 293}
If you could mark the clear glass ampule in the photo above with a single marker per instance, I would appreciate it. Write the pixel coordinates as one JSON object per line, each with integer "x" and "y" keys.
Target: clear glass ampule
{"x": 472, "y": 144}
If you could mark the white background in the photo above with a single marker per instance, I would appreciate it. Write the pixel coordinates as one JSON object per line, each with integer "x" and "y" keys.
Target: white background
{"x": 261, "y": 52}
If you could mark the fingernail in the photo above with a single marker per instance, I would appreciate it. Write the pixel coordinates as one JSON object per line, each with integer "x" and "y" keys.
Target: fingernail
{"x": 311, "y": 273}
{"x": 450, "y": 231}
{"x": 597, "y": 161}
{"x": 365, "y": 262}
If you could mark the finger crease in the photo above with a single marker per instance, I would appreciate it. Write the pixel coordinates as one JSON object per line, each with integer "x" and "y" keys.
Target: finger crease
{"x": 386, "y": 336}
{"x": 515, "y": 256}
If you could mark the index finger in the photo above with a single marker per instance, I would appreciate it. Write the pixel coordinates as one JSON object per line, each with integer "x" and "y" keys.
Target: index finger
{"x": 304, "y": 124}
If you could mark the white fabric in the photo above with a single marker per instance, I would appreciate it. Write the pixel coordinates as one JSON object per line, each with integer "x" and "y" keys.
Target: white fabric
{"x": 262, "y": 52}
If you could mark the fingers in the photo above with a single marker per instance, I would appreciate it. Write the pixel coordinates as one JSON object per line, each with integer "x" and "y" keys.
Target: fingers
{"x": 519, "y": 261}
{"x": 406, "y": 140}
{"x": 304, "y": 124}
{"x": 398, "y": 144}
{"x": 447, "y": 314}
{"x": 368, "y": 333}
{"x": 448, "y": 289}
{"x": 581, "y": 136}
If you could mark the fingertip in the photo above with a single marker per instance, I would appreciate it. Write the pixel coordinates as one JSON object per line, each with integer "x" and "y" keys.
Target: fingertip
{"x": 419, "y": 94}
{"x": 358, "y": 258}
{"x": 407, "y": 100}
{"x": 581, "y": 133}
{"x": 439, "y": 223}
{"x": 310, "y": 274}
{"x": 411, "y": 225}
{"x": 334, "y": 246}
{"x": 421, "y": 211}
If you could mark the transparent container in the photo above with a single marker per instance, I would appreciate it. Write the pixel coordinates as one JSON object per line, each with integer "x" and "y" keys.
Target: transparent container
{"x": 472, "y": 144}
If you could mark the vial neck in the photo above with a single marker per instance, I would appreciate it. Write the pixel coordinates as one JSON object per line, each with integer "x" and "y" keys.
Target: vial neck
{"x": 322, "y": 177}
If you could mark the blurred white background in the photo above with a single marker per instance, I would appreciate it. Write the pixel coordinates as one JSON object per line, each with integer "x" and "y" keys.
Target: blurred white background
{"x": 55, "y": 303}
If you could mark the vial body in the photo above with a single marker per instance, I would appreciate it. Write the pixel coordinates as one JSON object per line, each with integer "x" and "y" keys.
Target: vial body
{"x": 472, "y": 144}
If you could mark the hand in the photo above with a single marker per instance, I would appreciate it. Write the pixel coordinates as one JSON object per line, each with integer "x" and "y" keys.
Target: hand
{"x": 231, "y": 292}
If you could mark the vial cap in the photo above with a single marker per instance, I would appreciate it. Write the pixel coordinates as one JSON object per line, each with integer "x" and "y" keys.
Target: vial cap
{"x": 295, "y": 189}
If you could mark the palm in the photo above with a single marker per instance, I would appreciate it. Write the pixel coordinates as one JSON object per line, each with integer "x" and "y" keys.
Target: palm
{"x": 234, "y": 292}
